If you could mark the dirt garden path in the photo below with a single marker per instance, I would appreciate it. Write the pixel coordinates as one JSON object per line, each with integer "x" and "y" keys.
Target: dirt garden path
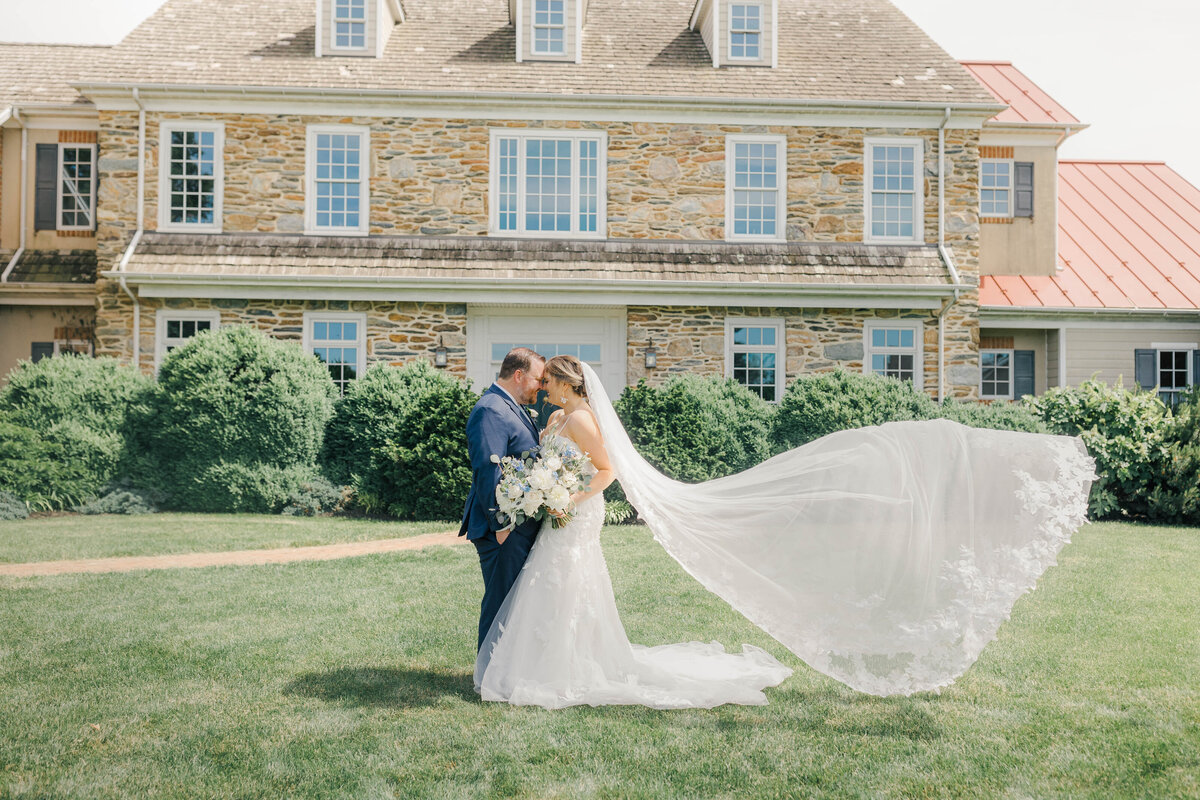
{"x": 279, "y": 555}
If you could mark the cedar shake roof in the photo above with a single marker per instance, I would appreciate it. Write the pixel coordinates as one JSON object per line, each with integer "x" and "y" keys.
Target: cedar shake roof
{"x": 1027, "y": 102}
{"x": 482, "y": 257}
{"x": 862, "y": 50}
{"x": 55, "y": 266}
{"x": 1128, "y": 238}
{"x": 44, "y": 73}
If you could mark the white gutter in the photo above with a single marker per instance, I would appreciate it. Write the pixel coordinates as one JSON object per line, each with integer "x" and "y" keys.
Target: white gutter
{"x": 15, "y": 114}
{"x": 1000, "y": 314}
{"x": 946, "y": 259}
{"x": 137, "y": 235}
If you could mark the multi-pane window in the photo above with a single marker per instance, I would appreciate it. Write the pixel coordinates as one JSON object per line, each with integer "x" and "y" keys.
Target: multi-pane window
{"x": 339, "y": 341}
{"x": 755, "y": 179}
{"x": 76, "y": 187}
{"x": 1173, "y": 374}
{"x": 995, "y": 188}
{"x": 996, "y": 373}
{"x": 894, "y": 352}
{"x": 190, "y": 185}
{"x": 549, "y": 27}
{"x": 175, "y": 328}
{"x": 894, "y": 189}
{"x": 745, "y": 31}
{"x": 548, "y": 185}
{"x": 350, "y": 24}
{"x": 754, "y": 353}
{"x": 337, "y": 187}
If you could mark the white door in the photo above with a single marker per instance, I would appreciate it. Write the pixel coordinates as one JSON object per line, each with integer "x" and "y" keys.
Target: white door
{"x": 593, "y": 335}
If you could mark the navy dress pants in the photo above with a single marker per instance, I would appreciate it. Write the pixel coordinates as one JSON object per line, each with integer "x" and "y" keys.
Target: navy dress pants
{"x": 500, "y": 564}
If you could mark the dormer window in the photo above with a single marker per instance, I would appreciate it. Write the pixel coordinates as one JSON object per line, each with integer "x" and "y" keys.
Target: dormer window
{"x": 349, "y": 24}
{"x": 549, "y": 27}
{"x": 745, "y": 32}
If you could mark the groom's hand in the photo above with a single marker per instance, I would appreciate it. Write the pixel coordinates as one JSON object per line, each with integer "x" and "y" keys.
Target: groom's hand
{"x": 502, "y": 535}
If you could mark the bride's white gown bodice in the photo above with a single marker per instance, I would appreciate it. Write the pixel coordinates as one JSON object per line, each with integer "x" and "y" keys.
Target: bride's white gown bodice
{"x": 558, "y": 640}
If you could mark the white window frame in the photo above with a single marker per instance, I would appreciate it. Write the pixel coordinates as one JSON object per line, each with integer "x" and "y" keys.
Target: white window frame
{"x": 164, "y": 176}
{"x": 534, "y": 27}
{"x": 333, "y": 23}
{"x": 758, "y": 31}
{"x": 1011, "y": 189}
{"x": 58, "y": 190}
{"x": 163, "y": 315}
{"x": 71, "y": 346}
{"x": 918, "y": 352}
{"x": 779, "y": 349}
{"x": 364, "y": 181}
{"x": 522, "y": 135}
{"x": 1174, "y": 347}
{"x": 308, "y": 343}
{"x": 869, "y": 143}
{"x": 780, "y": 140}
{"x": 1012, "y": 376}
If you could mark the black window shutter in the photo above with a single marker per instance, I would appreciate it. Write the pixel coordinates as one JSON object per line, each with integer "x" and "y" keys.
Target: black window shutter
{"x": 45, "y": 205}
{"x": 1145, "y": 368}
{"x": 1022, "y": 373}
{"x": 1023, "y": 189}
{"x": 40, "y": 350}
{"x": 1196, "y": 368}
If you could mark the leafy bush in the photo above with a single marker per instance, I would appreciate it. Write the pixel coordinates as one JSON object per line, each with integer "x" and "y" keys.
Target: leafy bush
{"x": 80, "y": 406}
{"x": 816, "y": 405}
{"x": 233, "y": 405}
{"x": 997, "y": 416}
{"x": 317, "y": 496}
{"x": 1177, "y": 497}
{"x": 398, "y": 438}
{"x": 1126, "y": 432}
{"x": 38, "y": 471}
{"x": 119, "y": 501}
{"x": 12, "y": 507}
{"x": 619, "y": 512}
{"x": 694, "y": 428}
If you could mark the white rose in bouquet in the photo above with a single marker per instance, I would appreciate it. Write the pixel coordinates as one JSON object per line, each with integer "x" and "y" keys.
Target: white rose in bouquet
{"x": 541, "y": 480}
{"x": 532, "y": 503}
{"x": 559, "y": 498}
{"x": 553, "y": 463}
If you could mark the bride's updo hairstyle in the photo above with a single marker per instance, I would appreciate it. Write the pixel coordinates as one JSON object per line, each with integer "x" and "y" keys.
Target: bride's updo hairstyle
{"x": 568, "y": 370}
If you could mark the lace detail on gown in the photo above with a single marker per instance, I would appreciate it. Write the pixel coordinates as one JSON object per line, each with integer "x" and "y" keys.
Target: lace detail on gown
{"x": 558, "y": 640}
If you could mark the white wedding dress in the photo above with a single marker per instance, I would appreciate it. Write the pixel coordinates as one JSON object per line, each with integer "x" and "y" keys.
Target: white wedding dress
{"x": 885, "y": 557}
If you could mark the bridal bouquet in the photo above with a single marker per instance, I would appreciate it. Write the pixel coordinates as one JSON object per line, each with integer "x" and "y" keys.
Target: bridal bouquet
{"x": 540, "y": 481}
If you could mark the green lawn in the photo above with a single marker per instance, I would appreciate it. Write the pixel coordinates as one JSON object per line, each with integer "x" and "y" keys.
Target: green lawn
{"x": 352, "y": 679}
{"x": 103, "y": 535}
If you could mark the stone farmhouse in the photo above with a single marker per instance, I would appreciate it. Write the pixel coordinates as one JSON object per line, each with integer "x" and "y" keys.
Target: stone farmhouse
{"x": 756, "y": 189}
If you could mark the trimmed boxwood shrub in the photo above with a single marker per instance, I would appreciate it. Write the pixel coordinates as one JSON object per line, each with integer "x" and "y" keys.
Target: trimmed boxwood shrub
{"x": 1177, "y": 497}
{"x": 80, "y": 405}
{"x": 816, "y": 405}
{"x": 1126, "y": 432}
{"x": 695, "y": 428}
{"x": 997, "y": 416}
{"x": 119, "y": 501}
{"x": 398, "y": 438}
{"x": 236, "y": 422}
{"x": 12, "y": 507}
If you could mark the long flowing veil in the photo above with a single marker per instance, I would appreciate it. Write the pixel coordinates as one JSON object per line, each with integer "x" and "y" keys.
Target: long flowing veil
{"x": 885, "y": 557}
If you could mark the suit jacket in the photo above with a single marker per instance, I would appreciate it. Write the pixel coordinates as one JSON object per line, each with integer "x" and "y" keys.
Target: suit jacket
{"x": 497, "y": 426}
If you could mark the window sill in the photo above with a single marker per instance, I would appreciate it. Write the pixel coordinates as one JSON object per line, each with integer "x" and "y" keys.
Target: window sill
{"x": 335, "y": 232}
{"x": 197, "y": 228}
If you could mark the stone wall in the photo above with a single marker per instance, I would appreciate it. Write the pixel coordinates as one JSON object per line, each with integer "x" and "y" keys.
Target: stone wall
{"x": 396, "y": 332}
{"x": 817, "y": 340}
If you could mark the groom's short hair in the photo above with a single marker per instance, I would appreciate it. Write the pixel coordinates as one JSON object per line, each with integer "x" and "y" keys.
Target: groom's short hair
{"x": 519, "y": 358}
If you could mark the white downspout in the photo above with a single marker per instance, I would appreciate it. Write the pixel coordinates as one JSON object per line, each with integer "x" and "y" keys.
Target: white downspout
{"x": 945, "y": 254}
{"x": 137, "y": 235}
{"x": 12, "y": 263}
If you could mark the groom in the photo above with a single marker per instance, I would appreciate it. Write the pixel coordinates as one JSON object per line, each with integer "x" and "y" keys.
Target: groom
{"x": 498, "y": 425}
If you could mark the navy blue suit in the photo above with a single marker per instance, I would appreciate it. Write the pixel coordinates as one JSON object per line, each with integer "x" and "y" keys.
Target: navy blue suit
{"x": 497, "y": 426}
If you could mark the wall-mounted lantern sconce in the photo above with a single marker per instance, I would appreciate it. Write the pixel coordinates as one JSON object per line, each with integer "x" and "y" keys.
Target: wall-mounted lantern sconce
{"x": 651, "y": 355}
{"x": 441, "y": 355}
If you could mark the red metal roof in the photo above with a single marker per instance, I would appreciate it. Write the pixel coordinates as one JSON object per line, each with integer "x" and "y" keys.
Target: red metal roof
{"x": 1026, "y": 101}
{"x": 1128, "y": 237}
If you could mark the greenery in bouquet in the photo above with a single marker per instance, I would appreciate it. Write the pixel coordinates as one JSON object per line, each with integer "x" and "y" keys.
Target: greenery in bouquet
{"x": 541, "y": 481}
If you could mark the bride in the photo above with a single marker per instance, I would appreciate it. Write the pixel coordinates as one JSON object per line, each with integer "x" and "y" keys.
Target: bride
{"x": 885, "y": 557}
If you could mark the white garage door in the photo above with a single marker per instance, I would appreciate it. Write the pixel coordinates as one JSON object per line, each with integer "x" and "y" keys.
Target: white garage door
{"x": 594, "y": 335}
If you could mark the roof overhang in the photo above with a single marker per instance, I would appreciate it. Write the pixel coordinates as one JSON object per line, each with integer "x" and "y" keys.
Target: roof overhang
{"x": 47, "y": 294}
{"x": 534, "y": 105}
{"x": 48, "y": 116}
{"x": 1041, "y": 317}
{"x": 566, "y": 292}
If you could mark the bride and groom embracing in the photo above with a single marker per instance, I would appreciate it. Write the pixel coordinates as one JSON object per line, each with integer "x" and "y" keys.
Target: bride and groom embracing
{"x": 885, "y": 557}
